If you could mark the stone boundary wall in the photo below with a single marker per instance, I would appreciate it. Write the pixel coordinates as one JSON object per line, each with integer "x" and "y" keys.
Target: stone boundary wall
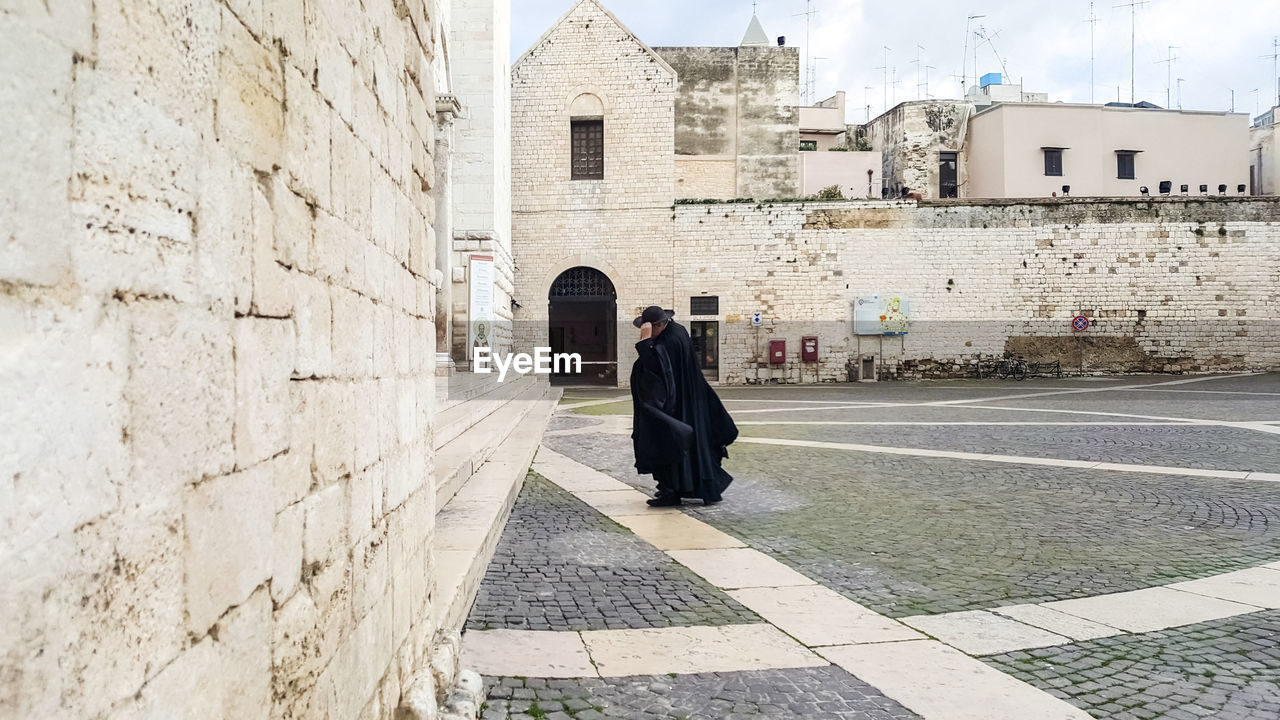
{"x": 1173, "y": 284}
{"x": 217, "y": 386}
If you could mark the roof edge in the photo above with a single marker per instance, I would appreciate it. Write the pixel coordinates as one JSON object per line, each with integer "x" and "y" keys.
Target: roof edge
{"x": 608, "y": 13}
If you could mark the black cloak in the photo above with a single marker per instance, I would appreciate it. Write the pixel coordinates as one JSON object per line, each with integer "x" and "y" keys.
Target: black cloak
{"x": 680, "y": 427}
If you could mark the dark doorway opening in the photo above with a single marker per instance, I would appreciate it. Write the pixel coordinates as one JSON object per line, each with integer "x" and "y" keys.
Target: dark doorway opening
{"x": 582, "y": 319}
{"x": 705, "y": 336}
{"x": 948, "y": 175}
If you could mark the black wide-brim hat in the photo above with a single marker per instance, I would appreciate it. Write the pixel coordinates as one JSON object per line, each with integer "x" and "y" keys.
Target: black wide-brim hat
{"x": 653, "y": 314}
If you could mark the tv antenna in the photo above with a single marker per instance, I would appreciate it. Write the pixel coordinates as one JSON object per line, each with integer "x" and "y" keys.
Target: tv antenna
{"x": 809, "y": 13}
{"x": 1093, "y": 24}
{"x": 1133, "y": 6}
{"x": 982, "y": 33}
{"x": 927, "y": 68}
{"x": 885, "y": 68}
{"x": 1274, "y": 57}
{"x": 865, "y": 101}
{"x": 964, "y": 64}
{"x": 1168, "y": 85}
{"x": 1180, "y": 81}
{"x": 1256, "y": 109}
{"x": 917, "y": 63}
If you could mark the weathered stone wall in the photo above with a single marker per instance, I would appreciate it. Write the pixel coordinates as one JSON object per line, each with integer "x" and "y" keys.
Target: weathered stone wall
{"x": 706, "y": 176}
{"x": 1172, "y": 284}
{"x": 215, "y": 404}
{"x": 740, "y": 103}
{"x": 909, "y": 138}
{"x": 620, "y": 225}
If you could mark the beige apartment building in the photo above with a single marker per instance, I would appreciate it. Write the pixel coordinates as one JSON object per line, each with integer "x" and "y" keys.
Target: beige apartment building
{"x": 1042, "y": 149}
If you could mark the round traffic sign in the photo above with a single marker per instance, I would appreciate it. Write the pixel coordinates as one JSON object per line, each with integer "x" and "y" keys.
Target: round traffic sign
{"x": 1080, "y": 323}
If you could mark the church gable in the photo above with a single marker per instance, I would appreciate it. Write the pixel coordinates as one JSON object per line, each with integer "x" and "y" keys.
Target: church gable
{"x": 588, "y": 35}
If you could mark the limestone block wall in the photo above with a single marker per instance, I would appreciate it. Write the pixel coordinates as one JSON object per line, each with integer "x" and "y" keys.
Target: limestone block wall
{"x": 620, "y": 225}
{"x": 1171, "y": 284}
{"x": 216, "y": 386}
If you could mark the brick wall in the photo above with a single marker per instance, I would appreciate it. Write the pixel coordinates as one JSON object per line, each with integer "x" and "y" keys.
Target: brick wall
{"x": 216, "y": 401}
{"x": 1171, "y": 284}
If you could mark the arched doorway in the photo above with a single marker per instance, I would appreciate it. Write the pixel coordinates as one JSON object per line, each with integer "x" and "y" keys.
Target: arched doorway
{"x": 582, "y": 319}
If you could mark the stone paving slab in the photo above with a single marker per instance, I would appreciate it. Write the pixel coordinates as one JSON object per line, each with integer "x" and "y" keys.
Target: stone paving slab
{"x": 560, "y": 565}
{"x": 978, "y": 632}
{"x": 528, "y": 653}
{"x": 1151, "y": 609}
{"x": 1057, "y": 622}
{"x": 739, "y": 568}
{"x": 1256, "y": 586}
{"x": 617, "y": 653}
{"x": 1225, "y": 670}
{"x": 816, "y": 616}
{"x": 936, "y": 681}
{"x": 820, "y": 693}
{"x": 676, "y": 531}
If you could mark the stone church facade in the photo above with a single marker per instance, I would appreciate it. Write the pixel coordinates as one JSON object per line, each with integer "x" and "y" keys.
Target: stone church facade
{"x": 1169, "y": 284}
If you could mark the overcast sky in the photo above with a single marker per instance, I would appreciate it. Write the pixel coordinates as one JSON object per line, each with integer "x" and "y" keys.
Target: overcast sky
{"x": 1045, "y": 44}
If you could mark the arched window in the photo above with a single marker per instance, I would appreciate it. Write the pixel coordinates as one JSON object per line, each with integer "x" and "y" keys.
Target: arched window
{"x": 586, "y": 137}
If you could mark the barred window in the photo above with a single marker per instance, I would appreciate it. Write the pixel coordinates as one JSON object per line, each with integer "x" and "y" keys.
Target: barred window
{"x": 587, "y": 136}
{"x": 704, "y": 305}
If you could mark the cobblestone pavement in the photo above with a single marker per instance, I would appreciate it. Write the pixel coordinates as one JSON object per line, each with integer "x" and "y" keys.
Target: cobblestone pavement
{"x": 1198, "y": 446}
{"x": 560, "y": 565}
{"x": 908, "y": 536}
{"x": 1226, "y": 670}
{"x": 826, "y": 693}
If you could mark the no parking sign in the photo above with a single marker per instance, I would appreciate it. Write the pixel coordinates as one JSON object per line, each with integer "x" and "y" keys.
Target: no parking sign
{"x": 1080, "y": 323}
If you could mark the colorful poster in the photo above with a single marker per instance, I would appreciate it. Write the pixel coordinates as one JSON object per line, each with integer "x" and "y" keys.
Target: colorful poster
{"x": 480, "y": 318}
{"x": 881, "y": 315}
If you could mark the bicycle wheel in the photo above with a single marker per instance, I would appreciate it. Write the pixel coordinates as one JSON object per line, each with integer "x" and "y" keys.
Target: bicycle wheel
{"x": 1019, "y": 371}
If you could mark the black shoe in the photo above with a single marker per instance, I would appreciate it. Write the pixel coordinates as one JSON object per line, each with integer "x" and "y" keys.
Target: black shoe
{"x": 664, "y": 501}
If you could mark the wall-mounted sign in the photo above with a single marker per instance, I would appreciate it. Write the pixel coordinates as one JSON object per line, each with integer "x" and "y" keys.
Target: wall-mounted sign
{"x": 881, "y": 315}
{"x": 480, "y": 321}
{"x": 1080, "y": 323}
{"x": 757, "y": 319}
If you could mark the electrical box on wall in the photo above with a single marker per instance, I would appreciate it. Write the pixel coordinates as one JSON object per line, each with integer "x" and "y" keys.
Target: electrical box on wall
{"x": 777, "y": 352}
{"x": 809, "y": 349}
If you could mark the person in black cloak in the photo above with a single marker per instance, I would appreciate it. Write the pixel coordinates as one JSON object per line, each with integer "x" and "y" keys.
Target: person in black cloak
{"x": 681, "y": 430}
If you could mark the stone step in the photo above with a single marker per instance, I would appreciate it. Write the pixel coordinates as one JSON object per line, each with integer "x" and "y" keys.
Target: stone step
{"x": 456, "y": 461}
{"x": 469, "y": 526}
{"x": 482, "y": 398}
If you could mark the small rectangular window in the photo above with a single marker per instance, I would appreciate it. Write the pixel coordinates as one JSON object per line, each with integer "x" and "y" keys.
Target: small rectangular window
{"x": 1124, "y": 165}
{"x": 1053, "y": 161}
{"x": 808, "y": 145}
{"x": 587, "y": 140}
{"x": 704, "y": 305}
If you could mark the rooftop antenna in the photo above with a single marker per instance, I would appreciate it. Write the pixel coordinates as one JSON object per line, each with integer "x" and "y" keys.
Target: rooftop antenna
{"x": 1256, "y": 109}
{"x": 1274, "y": 57}
{"x": 964, "y": 64}
{"x": 927, "y": 68}
{"x": 809, "y": 12}
{"x": 1233, "y": 99}
{"x": 917, "y": 63}
{"x": 982, "y": 33}
{"x": 1133, "y": 6}
{"x": 885, "y": 68}
{"x": 1168, "y": 84}
{"x": 1093, "y": 24}
{"x": 865, "y": 94}
{"x": 1180, "y": 81}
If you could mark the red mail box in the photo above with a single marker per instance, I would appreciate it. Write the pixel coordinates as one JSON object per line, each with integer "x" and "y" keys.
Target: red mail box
{"x": 809, "y": 349}
{"x": 777, "y": 352}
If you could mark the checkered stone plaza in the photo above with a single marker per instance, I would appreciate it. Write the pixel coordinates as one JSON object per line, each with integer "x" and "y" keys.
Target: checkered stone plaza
{"x": 1103, "y": 547}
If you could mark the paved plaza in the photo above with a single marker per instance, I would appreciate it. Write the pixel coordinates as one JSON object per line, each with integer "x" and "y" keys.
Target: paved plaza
{"x": 986, "y": 550}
